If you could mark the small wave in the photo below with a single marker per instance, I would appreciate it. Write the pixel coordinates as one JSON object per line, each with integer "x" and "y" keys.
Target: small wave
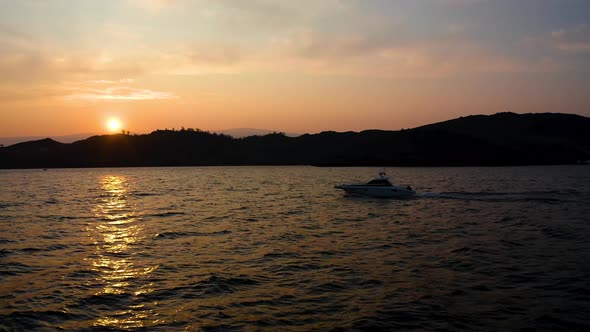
{"x": 174, "y": 235}
{"x": 59, "y": 217}
{"x": 289, "y": 237}
{"x": 5, "y": 252}
{"x": 31, "y": 320}
{"x": 281, "y": 255}
{"x": 292, "y": 213}
{"x": 480, "y": 288}
{"x": 9, "y": 204}
{"x": 349, "y": 219}
{"x": 332, "y": 286}
{"x": 370, "y": 283}
{"x": 210, "y": 286}
{"x": 555, "y": 322}
{"x": 142, "y": 194}
{"x": 166, "y": 214}
{"x": 296, "y": 267}
{"x": 49, "y": 248}
{"x": 215, "y": 218}
{"x": 105, "y": 299}
{"x": 467, "y": 250}
{"x": 51, "y": 201}
{"x": 14, "y": 268}
{"x": 511, "y": 243}
{"x": 220, "y": 327}
{"x": 217, "y": 285}
{"x": 85, "y": 273}
{"x": 283, "y": 300}
{"x": 501, "y": 193}
{"x": 562, "y": 233}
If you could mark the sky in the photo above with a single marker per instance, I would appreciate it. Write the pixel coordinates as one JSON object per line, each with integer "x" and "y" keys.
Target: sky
{"x": 301, "y": 66}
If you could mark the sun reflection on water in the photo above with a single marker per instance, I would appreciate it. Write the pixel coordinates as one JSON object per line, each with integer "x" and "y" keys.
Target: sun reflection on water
{"x": 121, "y": 272}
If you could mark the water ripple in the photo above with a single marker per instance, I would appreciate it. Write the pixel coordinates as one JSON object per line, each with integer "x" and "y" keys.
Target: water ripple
{"x": 277, "y": 248}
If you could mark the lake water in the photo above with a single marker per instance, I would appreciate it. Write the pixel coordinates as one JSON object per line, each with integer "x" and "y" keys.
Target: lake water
{"x": 278, "y": 248}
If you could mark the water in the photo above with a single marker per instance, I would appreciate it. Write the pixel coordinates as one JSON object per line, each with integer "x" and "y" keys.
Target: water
{"x": 278, "y": 248}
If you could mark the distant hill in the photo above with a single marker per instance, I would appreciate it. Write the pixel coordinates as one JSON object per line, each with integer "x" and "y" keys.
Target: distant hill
{"x": 500, "y": 139}
{"x": 6, "y": 141}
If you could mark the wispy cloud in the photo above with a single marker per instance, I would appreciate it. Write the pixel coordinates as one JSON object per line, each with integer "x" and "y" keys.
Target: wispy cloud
{"x": 153, "y": 6}
{"x": 387, "y": 55}
{"x": 115, "y": 90}
{"x": 460, "y": 2}
{"x": 121, "y": 81}
{"x": 121, "y": 94}
{"x": 26, "y": 60}
{"x": 574, "y": 39}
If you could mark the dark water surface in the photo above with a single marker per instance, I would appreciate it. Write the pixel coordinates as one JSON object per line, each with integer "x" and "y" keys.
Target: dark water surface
{"x": 278, "y": 248}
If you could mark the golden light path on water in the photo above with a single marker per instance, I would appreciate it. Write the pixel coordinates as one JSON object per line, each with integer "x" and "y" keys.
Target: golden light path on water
{"x": 120, "y": 272}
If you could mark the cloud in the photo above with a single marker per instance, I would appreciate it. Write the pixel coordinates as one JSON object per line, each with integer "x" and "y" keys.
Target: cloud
{"x": 153, "y": 6}
{"x": 213, "y": 54}
{"x": 120, "y": 93}
{"x": 572, "y": 40}
{"x": 389, "y": 55}
{"x": 115, "y": 90}
{"x": 31, "y": 70}
{"x": 123, "y": 80}
{"x": 25, "y": 60}
{"x": 311, "y": 44}
{"x": 255, "y": 19}
{"x": 332, "y": 37}
{"x": 34, "y": 93}
{"x": 9, "y": 35}
{"x": 460, "y": 2}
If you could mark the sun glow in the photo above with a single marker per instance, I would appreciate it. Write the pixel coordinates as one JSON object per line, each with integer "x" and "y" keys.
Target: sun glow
{"x": 114, "y": 125}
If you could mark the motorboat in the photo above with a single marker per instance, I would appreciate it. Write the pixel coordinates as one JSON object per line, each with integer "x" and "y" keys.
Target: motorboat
{"x": 380, "y": 186}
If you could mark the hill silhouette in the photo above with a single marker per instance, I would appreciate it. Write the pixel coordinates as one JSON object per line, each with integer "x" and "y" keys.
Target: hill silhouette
{"x": 10, "y": 140}
{"x": 479, "y": 140}
{"x": 245, "y": 132}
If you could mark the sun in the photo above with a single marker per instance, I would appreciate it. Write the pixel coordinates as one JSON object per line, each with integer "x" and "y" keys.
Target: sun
{"x": 114, "y": 125}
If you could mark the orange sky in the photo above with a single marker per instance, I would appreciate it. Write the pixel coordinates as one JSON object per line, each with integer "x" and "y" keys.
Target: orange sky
{"x": 68, "y": 66}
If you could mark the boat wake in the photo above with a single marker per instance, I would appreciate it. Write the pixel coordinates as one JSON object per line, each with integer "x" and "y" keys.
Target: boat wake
{"x": 536, "y": 196}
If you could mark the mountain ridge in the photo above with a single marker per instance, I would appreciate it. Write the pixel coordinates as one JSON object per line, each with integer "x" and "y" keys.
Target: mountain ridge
{"x": 234, "y": 132}
{"x": 11, "y": 140}
{"x": 477, "y": 140}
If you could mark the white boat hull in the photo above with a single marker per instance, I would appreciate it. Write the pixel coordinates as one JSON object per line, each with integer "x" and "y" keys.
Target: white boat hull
{"x": 377, "y": 191}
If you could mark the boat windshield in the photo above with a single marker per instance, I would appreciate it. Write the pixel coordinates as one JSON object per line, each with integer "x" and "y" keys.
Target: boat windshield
{"x": 379, "y": 182}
